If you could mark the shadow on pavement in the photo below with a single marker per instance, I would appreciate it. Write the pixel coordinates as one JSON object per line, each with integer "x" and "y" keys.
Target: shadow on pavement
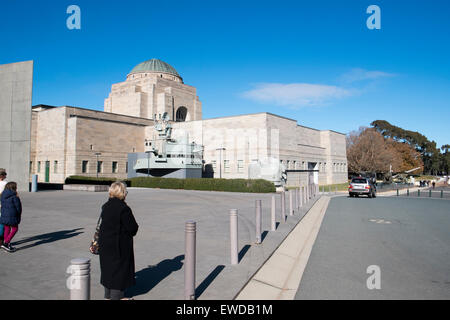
{"x": 47, "y": 238}
{"x": 208, "y": 280}
{"x": 243, "y": 252}
{"x": 148, "y": 278}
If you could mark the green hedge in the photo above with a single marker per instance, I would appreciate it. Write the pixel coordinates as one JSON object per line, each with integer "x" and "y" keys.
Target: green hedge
{"x": 92, "y": 180}
{"x": 230, "y": 185}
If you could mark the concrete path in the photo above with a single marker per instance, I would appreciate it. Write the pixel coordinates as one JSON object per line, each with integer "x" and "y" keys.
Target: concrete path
{"x": 57, "y": 226}
{"x": 280, "y": 276}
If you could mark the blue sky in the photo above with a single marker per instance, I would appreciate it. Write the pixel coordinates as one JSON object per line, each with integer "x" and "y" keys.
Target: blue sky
{"x": 313, "y": 61}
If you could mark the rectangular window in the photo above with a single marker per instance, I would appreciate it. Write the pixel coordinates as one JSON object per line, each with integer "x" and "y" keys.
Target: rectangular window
{"x": 226, "y": 166}
{"x": 39, "y": 167}
{"x": 55, "y": 167}
{"x": 114, "y": 167}
{"x": 240, "y": 166}
{"x": 31, "y": 166}
{"x": 214, "y": 164}
{"x": 99, "y": 166}
{"x": 84, "y": 166}
{"x": 126, "y": 167}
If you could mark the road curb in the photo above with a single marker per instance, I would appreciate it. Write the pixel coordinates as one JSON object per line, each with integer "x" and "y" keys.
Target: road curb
{"x": 280, "y": 276}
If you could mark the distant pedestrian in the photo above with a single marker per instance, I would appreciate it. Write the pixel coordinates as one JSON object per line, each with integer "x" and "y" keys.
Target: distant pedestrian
{"x": 434, "y": 184}
{"x": 3, "y": 183}
{"x": 3, "y": 180}
{"x": 11, "y": 214}
{"x": 117, "y": 229}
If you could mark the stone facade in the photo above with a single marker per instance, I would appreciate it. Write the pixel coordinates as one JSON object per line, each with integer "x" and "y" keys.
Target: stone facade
{"x": 65, "y": 142}
{"x": 16, "y": 85}
{"x": 69, "y": 141}
{"x": 147, "y": 95}
{"x": 251, "y": 137}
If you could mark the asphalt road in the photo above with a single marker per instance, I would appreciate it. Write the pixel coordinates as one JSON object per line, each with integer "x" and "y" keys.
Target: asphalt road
{"x": 407, "y": 238}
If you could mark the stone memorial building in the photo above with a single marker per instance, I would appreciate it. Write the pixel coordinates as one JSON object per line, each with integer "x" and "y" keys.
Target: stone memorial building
{"x": 69, "y": 141}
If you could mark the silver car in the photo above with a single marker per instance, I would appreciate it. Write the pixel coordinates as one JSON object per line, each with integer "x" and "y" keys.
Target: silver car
{"x": 362, "y": 186}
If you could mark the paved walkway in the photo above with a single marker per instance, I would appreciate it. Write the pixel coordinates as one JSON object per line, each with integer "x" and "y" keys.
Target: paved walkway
{"x": 280, "y": 276}
{"x": 57, "y": 226}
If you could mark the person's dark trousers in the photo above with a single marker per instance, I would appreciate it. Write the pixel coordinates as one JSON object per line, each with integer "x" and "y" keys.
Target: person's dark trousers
{"x": 112, "y": 294}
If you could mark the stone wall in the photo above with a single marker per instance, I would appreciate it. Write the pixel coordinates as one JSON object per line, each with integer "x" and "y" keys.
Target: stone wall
{"x": 145, "y": 96}
{"x": 16, "y": 86}
{"x": 66, "y": 136}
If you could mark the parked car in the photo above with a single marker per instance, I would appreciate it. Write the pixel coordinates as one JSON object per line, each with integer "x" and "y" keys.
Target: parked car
{"x": 362, "y": 186}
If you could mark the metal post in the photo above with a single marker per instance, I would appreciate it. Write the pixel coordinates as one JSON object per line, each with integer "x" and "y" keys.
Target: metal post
{"x": 335, "y": 190}
{"x": 291, "y": 208}
{"x": 418, "y": 193}
{"x": 34, "y": 183}
{"x": 272, "y": 216}
{"x": 189, "y": 260}
{"x": 442, "y": 194}
{"x": 397, "y": 193}
{"x": 300, "y": 196}
{"x": 307, "y": 192}
{"x": 234, "y": 236}
{"x": 283, "y": 207}
{"x": 407, "y": 192}
{"x": 429, "y": 193}
{"x": 296, "y": 198}
{"x": 79, "y": 283}
{"x": 258, "y": 221}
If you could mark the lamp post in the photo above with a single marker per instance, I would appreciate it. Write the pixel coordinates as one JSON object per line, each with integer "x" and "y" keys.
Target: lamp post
{"x": 97, "y": 154}
{"x": 220, "y": 149}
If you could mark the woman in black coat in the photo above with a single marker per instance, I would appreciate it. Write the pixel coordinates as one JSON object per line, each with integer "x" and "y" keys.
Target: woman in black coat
{"x": 117, "y": 229}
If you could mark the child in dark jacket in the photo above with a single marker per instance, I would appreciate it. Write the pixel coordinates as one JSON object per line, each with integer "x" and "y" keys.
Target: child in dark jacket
{"x": 11, "y": 213}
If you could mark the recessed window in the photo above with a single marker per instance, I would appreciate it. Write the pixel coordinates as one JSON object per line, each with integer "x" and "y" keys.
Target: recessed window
{"x": 114, "y": 167}
{"x": 240, "y": 166}
{"x": 226, "y": 166}
{"x": 99, "y": 166}
{"x": 39, "y": 167}
{"x": 84, "y": 166}
{"x": 55, "y": 167}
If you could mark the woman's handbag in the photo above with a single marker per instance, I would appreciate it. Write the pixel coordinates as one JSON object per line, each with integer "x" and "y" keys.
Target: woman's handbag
{"x": 94, "y": 248}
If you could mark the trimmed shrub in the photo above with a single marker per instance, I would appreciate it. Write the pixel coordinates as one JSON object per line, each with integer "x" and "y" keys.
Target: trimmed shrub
{"x": 93, "y": 180}
{"x": 205, "y": 184}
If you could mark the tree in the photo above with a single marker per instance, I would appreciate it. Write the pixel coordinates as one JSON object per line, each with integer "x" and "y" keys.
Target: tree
{"x": 430, "y": 154}
{"x": 406, "y": 157}
{"x": 367, "y": 151}
{"x": 445, "y": 159}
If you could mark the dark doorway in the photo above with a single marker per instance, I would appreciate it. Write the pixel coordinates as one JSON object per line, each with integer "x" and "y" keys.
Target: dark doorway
{"x": 181, "y": 114}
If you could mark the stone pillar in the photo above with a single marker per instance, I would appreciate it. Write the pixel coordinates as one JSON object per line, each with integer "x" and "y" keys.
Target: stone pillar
{"x": 16, "y": 85}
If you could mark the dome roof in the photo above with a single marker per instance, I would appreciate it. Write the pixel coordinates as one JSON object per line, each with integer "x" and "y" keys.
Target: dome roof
{"x": 155, "y": 65}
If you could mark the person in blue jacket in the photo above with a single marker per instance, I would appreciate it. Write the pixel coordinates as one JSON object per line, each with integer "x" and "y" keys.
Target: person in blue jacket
{"x": 11, "y": 213}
